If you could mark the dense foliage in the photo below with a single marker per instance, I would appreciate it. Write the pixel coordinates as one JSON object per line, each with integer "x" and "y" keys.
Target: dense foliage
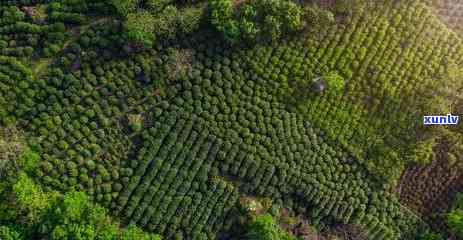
{"x": 262, "y": 20}
{"x": 144, "y": 21}
{"x": 264, "y": 228}
{"x": 430, "y": 236}
{"x": 165, "y": 126}
{"x": 455, "y": 217}
{"x": 48, "y": 215}
{"x": 27, "y": 211}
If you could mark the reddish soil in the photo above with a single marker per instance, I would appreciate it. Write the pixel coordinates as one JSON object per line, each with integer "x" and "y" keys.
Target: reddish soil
{"x": 451, "y": 13}
{"x": 430, "y": 190}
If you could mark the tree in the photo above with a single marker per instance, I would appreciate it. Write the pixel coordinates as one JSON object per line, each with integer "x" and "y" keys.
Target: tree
{"x": 132, "y": 232}
{"x": 29, "y": 212}
{"x": 143, "y": 22}
{"x": 430, "y": 236}
{"x": 189, "y": 19}
{"x": 334, "y": 81}
{"x": 156, "y": 6}
{"x": 165, "y": 23}
{"x": 31, "y": 199}
{"x": 423, "y": 151}
{"x": 74, "y": 205}
{"x": 316, "y": 16}
{"x": 454, "y": 218}
{"x": 9, "y": 233}
{"x": 135, "y": 122}
{"x": 140, "y": 27}
{"x": 255, "y": 20}
{"x": 221, "y": 17}
{"x": 125, "y": 7}
{"x": 263, "y": 227}
{"x": 279, "y": 17}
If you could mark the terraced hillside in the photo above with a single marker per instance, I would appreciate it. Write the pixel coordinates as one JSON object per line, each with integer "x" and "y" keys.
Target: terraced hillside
{"x": 171, "y": 136}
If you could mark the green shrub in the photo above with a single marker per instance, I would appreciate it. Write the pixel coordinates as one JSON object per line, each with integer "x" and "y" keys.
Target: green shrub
{"x": 165, "y": 23}
{"x": 124, "y": 7}
{"x": 263, "y": 227}
{"x": 423, "y": 151}
{"x": 156, "y": 6}
{"x": 8, "y": 233}
{"x": 316, "y": 16}
{"x": 264, "y": 20}
{"x": 133, "y": 232}
{"x": 31, "y": 198}
{"x": 140, "y": 26}
{"x": 430, "y": 236}
{"x": 454, "y": 218}
{"x": 189, "y": 19}
{"x": 221, "y": 17}
{"x": 91, "y": 165}
{"x": 334, "y": 81}
{"x": 28, "y": 160}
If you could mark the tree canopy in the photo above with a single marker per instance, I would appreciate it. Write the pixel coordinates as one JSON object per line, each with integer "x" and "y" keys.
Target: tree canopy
{"x": 263, "y": 227}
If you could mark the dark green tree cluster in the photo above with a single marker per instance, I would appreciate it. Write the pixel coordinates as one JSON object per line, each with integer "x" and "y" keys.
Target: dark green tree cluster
{"x": 335, "y": 82}
{"x": 145, "y": 21}
{"x": 36, "y": 214}
{"x": 125, "y": 7}
{"x": 430, "y": 236}
{"x": 21, "y": 37}
{"x": 18, "y": 95}
{"x": 29, "y": 212}
{"x": 256, "y": 20}
{"x": 454, "y": 218}
{"x": 140, "y": 27}
{"x": 263, "y": 227}
{"x": 66, "y": 11}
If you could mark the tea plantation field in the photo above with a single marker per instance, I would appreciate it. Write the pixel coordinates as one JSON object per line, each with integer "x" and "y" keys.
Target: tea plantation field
{"x": 173, "y": 133}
